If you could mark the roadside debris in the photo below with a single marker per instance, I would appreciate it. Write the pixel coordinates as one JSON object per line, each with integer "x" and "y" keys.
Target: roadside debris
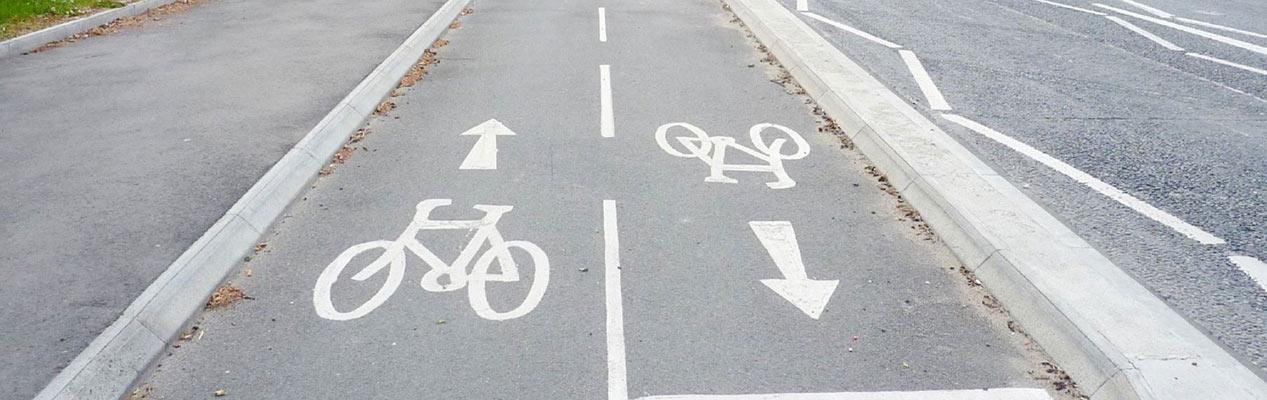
{"x": 155, "y": 14}
{"x": 226, "y": 296}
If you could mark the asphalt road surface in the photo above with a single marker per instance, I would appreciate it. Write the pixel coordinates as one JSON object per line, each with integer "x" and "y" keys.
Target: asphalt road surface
{"x": 121, "y": 150}
{"x": 1154, "y": 103}
{"x": 585, "y": 256}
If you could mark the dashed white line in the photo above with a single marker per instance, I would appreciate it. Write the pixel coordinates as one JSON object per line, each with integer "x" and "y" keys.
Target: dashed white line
{"x": 1069, "y": 7}
{"x": 1229, "y": 63}
{"x": 617, "y": 386}
{"x": 1150, "y": 10}
{"x": 802, "y": 5}
{"x": 607, "y": 121}
{"x": 1253, "y": 267}
{"x": 1144, "y": 33}
{"x": 1114, "y": 193}
{"x": 1205, "y": 34}
{"x": 935, "y": 100}
{"x": 602, "y": 24}
{"x": 853, "y": 30}
{"x": 1221, "y": 27}
{"x": 974, "y": 394}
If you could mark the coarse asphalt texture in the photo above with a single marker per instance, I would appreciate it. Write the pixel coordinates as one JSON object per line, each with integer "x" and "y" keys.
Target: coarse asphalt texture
{"x": 121, "y": 150}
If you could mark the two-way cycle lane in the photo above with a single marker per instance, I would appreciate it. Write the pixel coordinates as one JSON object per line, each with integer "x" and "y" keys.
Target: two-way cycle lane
{"x": 588, "y": 200}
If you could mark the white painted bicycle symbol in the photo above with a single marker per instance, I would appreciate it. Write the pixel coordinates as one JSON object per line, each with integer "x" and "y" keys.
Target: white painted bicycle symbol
{"x": 393, "y": 258}
{"x": 712, "y": 151}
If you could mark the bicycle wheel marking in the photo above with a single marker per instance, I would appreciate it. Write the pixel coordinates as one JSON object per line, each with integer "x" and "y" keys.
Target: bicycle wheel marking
{"x": 712, "y": 151}
{"x": 394, "y": 259}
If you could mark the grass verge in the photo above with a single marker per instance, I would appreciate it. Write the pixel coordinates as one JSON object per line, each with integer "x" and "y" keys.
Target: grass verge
{"x": 18, "y": 17}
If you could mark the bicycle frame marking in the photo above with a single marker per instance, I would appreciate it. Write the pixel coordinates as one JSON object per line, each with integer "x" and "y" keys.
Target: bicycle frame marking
{"x": 712, "y": 151}
{"x": 394, "y": 258}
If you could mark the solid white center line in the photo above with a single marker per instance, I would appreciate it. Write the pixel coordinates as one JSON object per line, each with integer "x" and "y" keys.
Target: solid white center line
{"x": 617, "y": 387}
{"x": 1253, "y": 267}
{"x": 1208, "y": 35}
{"x": 972, "y": 394}
{"x": 602, "y": 24}
{"x": 1144, "y": 33}
{"x": 1069, "y": 7}
{"x": 1221, "y": 27}
{"x": 1150, "y": 10}
{"x": 853, "y": 30}
{"x": 802, "y": 5}
{"x": 1229, "y": 63}
{"x": 607, "y": 123}
{"x": 925, "y": 82}
{"x": 1084, "y": 178}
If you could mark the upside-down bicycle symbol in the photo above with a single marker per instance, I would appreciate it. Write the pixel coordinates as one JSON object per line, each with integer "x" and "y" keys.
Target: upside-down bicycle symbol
{"x": 712, "y": 151}
{"x": 393, "y": 258}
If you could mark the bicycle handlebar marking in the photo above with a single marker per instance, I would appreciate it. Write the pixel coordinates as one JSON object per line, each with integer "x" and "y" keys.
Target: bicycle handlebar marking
{"x": 712, "y": 151}
{"x": 475, "y": 281}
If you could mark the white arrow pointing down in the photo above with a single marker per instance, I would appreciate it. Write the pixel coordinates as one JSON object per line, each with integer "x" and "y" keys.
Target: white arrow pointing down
{"x": 808, "y": 295}
{"x": 484, "y": 154}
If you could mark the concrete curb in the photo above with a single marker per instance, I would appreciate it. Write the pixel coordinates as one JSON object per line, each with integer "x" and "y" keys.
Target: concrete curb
{"x": 34, "y": 40}
{"x": 1113, "y": 336}
{"x": 108, "y": 367}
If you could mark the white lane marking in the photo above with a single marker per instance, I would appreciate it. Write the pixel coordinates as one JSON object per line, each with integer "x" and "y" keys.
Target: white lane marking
{"x": 1146, "y": 34}
{"x": 1253, "y": 267}
{"x": 802, "y": 5}
{"x": 1205, "y": 34}
{"x": 1150, "y": 10}
{"x": 1220, "y": 27}
{"x": 712, "y": 151}
{"x": 1114, "y": 193}
{"x": 808, "y": 295}
{"x": 484, "y": 154}
{"x": 925, "y": 82}
{"x": 978, "y": 394}
{"x": 607, "y": 123}
{"x": 617, "y": 387}
{"x": 393, "y": 259}
{"x": 1069, "y": 7}
{"x": 1229, "y": 63}
{"x": 602, "y": 24}
{"x": 853, "y": 30}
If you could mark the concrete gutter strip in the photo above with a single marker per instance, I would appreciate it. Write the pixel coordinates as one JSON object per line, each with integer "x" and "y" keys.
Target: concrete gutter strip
{"x": 1114, "y": 337}
{"x": 34, "y": 40}
{"x": 113, "y": 361}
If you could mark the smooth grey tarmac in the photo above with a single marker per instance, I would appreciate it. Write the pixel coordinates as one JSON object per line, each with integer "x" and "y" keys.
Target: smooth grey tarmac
{"x": 121, "y": 150}
{"x": 1185, "y": 135}
{"x": 696, "y": 317}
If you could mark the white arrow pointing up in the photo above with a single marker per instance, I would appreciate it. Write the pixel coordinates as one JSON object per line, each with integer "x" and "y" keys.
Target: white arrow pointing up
{"x": 810, "y": 296}
{"x": 484, "y": 154}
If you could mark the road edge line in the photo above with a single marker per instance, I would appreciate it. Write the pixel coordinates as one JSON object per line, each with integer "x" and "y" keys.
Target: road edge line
{"x": 34, "y": 40}
{"x": 1113, "y": 336}
{"x": 116, "y": 358}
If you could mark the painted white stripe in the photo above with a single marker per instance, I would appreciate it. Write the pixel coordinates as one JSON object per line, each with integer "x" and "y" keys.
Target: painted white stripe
{"x": 607, "y": 123}
{"x": 1253, "y": 267}
{"x": 1150, "y": 10}
{"x": 978, "y": 394}
{"x": 802, "y": 5}
{"x": 1221, "y": 27}
{"x": 1114, "y": 193}
{"x": 1069, "y": 7}
{"x": 853, "y": 30}
{"x": 602, "y": 24}
{"x": 617, "y": 387}
{"x": 1229, "y": 63}
{"x": 925, "y": 82}
{"x": 1144, "y": 33}
{"x": 1205, "y": 34}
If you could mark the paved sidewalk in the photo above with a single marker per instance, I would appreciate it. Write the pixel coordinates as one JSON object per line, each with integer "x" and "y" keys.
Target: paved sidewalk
{"x": 121, "y": 150}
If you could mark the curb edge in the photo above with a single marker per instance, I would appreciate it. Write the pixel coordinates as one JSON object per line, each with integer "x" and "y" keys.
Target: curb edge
{"x": 120, "y": 355}
{"x": 1113, "y": 336}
